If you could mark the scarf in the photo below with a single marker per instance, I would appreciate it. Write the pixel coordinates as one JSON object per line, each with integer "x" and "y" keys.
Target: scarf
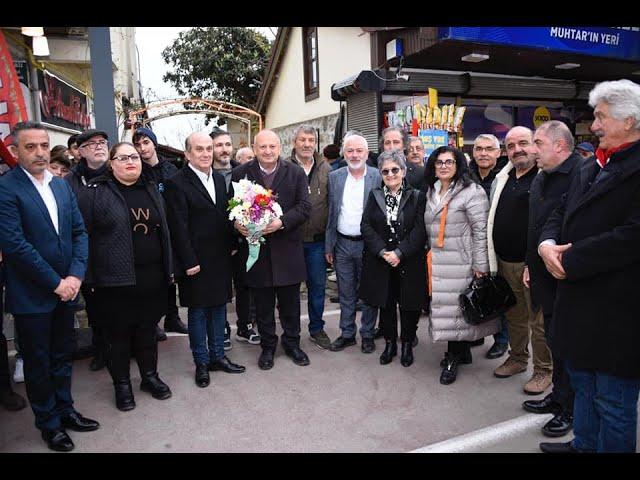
{"x": 392, "y": 202}
{"x": 603, "y": 156}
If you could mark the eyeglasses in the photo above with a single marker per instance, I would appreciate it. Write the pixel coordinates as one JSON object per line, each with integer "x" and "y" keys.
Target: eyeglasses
{"x": 387, "y": 171}
{"x": 134, "y": 157}
{"x": 441, "y": 163}
{"x": 94, "y": 145}
{"x": 484, "y": 149}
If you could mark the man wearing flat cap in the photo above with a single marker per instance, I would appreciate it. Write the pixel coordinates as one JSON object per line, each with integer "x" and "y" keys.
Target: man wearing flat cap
{"x": 585, "y": 150}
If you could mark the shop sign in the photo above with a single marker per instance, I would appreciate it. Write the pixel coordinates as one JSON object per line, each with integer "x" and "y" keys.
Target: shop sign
{"x": 609, "y": 42}
{"x": 432, "y": 139}
{"x": 541, "y": 115}
{"x": 61, "y": 104}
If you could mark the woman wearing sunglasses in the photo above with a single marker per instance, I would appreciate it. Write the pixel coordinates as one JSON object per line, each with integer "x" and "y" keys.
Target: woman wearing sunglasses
{"x": 456, "y": 220}
{"x": 393, "y": 267}
{"x": 129, "y": 267}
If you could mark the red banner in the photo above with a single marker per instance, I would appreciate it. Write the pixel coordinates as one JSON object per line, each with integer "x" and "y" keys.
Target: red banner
{"x": 12, "y": 106}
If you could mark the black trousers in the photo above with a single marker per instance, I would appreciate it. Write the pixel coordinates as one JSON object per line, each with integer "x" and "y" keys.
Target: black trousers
{"x": 389, "y": 314}
{"x": 289, "y": 313}
{"x": 126, "y": 337}
{"x": 459, "y": 348}
{"x": 94, "y": 315}
{"x": 47, "y": 344}
{"x": 172, "y": 303}
{"x": 4, "y": 354}
{"x": 245, "y": 305}
{"x": 562, "y": 392}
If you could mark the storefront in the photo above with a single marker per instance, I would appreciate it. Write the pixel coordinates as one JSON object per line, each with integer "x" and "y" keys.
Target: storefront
{"x": 502, "y": 76}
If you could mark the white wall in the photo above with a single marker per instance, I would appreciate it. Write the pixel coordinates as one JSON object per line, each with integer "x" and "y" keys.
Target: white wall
{"x": 342, "y": 52}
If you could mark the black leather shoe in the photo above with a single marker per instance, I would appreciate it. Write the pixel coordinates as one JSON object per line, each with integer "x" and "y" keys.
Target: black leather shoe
{"x": 559, "y": 425}
{"x": 76, "y": 422}
{"x": 160, "y": 335}
{"x": 58, "y": 440}
{"x": 450, "y": 370}
{"x": 466, "y": 359}
{"x": 406, "y": 357}
{"x": 98, "y": 361}
{"x": 341, "y": 343}
{"x": 157, "y": 388}
{"x": 377, "y": 333}
{"x": 390, "y": 351}
{"x": 297, "y": 355}
{"x": 497, "y": 350}
{"x": 477, "y": 343}
{"x": 124, "y": 395}
{"x": 368, "y": 345}
{"x": 202, "y": 375}
{"x": 265, "y": 362}
{"x": 174, "y": 324}
{"x": 11, "y": 400}
{"x": 566, "y": 447}
{"x": 226, "y": 365}
{"x": 546, "y": 405}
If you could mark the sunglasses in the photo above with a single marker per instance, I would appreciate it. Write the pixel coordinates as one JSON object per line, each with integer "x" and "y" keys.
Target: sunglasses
{"x": 392, "y": 171}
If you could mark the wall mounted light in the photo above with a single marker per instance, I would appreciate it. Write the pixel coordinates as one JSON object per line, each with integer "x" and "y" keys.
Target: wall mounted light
{"x": 40, "y": 46}
{"x": 32, "y": 31}
{"x": 475, "y": 57}
{"x": 567, "y": 66}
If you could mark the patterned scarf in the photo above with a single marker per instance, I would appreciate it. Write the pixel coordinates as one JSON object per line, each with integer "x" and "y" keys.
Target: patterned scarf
{"x": 392, "y": 202}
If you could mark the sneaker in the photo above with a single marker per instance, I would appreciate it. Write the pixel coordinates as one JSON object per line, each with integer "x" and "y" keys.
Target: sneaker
{"x": 509, "y": 367}
{"x": 538, "y": 383}
{"x": 227, "y": 337}
{"x": 332, "y": 277}
{"x": 321, "y": 339}
{"x": 18, "y": 373}
{"x": 248, "y": 336}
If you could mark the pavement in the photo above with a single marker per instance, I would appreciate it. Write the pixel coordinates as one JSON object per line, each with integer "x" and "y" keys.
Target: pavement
{"x": 343, "y": 402}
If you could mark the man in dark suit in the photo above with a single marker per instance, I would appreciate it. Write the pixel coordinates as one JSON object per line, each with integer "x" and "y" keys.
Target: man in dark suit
{"x": 201, "y": 234}
{"x": 590, "y": 244}
{"x": 45, "y": 249}
{"x": 280, "y": 267}
{"x": 554, "y": 143}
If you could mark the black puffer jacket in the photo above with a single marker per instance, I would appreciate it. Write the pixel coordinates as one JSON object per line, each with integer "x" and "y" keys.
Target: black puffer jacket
{"x": 81, "y": 175}
{"x": 106, "y": 217}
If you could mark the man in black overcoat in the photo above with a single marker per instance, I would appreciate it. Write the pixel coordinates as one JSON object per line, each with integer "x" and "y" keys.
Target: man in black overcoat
{"x": 280, "y": 267}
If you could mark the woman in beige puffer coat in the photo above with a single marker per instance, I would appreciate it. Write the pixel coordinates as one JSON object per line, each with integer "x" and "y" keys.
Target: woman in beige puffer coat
{"x": 458, "y": 252}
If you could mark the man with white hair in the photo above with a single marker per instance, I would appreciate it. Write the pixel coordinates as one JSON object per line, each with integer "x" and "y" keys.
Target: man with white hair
{"x": 244, "y": 155}
{"x": 349, "y": 189}
{"x": 590, "y": 244}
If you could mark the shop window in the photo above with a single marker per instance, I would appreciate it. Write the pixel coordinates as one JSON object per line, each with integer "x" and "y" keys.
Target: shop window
{"x": 310, "y": 61}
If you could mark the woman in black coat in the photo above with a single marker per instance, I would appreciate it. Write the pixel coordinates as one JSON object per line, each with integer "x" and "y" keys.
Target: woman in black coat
{"x": 130, "y": 268}
{"x": 393, "y": 267}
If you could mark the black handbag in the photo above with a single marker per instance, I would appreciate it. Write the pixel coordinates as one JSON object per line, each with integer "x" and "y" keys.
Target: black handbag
{"x": 485, "y": 299}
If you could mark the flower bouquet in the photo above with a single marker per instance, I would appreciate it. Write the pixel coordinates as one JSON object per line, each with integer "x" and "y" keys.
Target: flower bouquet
{"x": 254, "y": 207}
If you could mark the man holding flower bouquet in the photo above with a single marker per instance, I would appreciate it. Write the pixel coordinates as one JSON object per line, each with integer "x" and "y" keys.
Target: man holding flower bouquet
{"x": 279, "y": 267}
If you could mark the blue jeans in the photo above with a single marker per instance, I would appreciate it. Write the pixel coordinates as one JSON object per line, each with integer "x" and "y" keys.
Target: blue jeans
{"x": 206, "y": 332}
{"x": 316, "y": 284}
{"x": 605, "y": 412}
{"x": 502, "y": 337}
{"x": 348, "y": 265}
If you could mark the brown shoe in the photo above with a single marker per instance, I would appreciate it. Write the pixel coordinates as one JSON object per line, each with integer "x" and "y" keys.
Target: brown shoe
{"x": 509, "y": 367}
{"x": 538, "y": 383}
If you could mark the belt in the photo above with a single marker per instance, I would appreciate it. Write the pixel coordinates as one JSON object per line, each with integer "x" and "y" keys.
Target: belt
{"x": 353, "y": 238}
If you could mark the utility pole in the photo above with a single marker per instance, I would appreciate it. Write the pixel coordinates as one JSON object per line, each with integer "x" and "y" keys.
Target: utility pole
{"x": 102, "y": 81}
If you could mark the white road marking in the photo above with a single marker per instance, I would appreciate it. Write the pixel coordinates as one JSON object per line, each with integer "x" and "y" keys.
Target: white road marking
{"x": 501, "y": 432}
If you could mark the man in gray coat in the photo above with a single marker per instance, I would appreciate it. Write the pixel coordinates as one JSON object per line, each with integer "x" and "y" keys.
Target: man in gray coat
{"x": 349, "y": 189}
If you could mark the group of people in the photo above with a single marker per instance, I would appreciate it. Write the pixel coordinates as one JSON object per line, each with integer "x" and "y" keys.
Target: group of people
{"x": 403, "y": 235}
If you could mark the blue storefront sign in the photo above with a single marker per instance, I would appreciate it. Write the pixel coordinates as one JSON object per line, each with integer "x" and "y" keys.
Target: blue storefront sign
{"x": 432, "y": 139}
{"x": 606, "y": 42}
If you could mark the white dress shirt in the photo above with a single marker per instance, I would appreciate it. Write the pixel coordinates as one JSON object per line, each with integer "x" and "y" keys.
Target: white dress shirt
{"x": 352, "y": 205}
{"x": 207, "y": 181}
{"x": 44, "y": 189}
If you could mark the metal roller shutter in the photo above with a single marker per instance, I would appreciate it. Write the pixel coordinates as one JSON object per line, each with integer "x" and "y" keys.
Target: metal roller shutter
{"x": 363, "y": 114}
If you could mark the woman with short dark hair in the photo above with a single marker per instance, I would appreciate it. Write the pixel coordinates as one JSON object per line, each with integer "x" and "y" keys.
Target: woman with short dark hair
{"x": 456, "y": 220}
{"x": 129, "y": 267}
